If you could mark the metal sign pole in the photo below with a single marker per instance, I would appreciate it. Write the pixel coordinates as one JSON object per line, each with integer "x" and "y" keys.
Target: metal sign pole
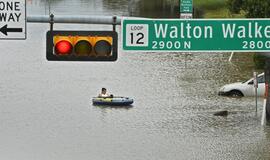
{"x": 231, "y": 56}
{"x": 255, "y": 74}
{"x": 186, "y": 12}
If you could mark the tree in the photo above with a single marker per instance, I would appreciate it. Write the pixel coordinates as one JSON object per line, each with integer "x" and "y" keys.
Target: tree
{"x": 235, "y": 5}
{"x": 251, "y": 8}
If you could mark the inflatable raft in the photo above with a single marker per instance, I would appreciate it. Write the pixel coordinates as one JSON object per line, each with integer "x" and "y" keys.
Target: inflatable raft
{"x": 115, "y": 101}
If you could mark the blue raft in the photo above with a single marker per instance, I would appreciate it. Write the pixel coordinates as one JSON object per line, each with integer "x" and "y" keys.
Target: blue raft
{"x": 115, "y": 101}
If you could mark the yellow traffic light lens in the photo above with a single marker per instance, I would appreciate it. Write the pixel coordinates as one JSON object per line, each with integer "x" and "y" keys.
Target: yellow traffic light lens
{"x": 83, "y": 48}
{"x": 103, "y": 48}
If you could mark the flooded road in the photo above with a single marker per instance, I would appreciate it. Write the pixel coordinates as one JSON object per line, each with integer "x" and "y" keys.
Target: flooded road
{"x": 46, "y": 111}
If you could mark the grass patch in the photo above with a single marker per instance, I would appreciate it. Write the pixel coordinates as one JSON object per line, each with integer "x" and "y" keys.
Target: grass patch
{"x": 221, "y": 13}
{"x": 209, "y": 4}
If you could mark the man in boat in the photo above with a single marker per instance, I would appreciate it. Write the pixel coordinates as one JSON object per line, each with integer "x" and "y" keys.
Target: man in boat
{"x": 104, "y": 94}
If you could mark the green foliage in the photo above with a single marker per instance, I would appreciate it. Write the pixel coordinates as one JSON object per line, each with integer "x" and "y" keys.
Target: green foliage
{"x": 259, "y": 61}
{"x": 210, "y": 8}
{"x": 235, "y": 6}
{"x": 252, "y": 8}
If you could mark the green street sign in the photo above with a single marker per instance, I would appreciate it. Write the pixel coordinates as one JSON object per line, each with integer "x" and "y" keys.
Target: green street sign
{"x": 194, "y": 35}
{"x": 186, "y": 6}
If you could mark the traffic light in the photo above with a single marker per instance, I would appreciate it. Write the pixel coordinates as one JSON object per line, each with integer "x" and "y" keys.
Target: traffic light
{"x": 82, "y": 45}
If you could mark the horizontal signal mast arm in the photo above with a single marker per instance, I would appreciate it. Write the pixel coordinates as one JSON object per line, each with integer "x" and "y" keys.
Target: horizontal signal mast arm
{"x": 78, "y": 19}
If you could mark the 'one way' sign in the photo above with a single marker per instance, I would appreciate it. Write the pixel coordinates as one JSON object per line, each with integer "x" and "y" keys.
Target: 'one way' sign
{"x": 12, "y": 19}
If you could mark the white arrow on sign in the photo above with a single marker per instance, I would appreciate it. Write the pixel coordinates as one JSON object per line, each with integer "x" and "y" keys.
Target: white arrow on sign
{"x": 12, "y": 19}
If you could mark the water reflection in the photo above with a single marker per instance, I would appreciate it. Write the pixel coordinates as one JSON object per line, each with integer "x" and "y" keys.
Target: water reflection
{"x": 114, "y": 107}
{"x": 157, "y": 8}
{"x": 149, "y": 8}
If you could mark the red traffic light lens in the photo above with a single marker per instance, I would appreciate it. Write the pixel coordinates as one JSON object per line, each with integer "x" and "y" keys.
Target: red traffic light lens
{"x": 83, "y": 48}
{"x": 63, "y": 47}
{"x": 103, "y": 48}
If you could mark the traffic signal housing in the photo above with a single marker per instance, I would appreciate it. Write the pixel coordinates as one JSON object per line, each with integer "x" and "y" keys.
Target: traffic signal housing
{"x": 82, "y": 45}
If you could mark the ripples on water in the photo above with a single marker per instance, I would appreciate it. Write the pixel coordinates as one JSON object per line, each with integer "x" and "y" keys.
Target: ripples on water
{"x": 46, "y": 111}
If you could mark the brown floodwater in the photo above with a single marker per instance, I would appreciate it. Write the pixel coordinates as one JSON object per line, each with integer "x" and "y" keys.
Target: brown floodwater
{"x": 46, "y": 111}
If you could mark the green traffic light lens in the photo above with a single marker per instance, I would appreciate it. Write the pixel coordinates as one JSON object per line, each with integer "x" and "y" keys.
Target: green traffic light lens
{"x": 83, "y": 48}
{"x": 103, "y": 48}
